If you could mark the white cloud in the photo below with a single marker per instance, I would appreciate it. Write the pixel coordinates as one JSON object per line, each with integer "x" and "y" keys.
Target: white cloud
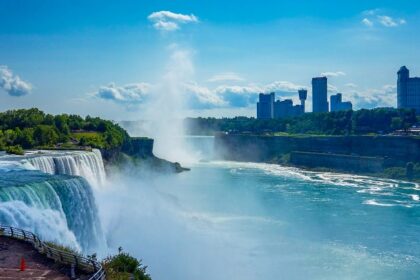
{"x": 197, "y": 96}
{"x": 282, "y": 86}
{"x": 169, "y": 21}
{"x": 371, "y": 98}
{"x": 332, "y": 88}
{"x": 388, "y": 21}
{"x": 376, "y": 16}
{"x": 127, "y": 94}
{"x": 351, "y": 85}
{"x": 367, "y": 22}
{"x": 333, "y": 74}
{"x": 13, "y": 84}
{"x": 371, "y": 12}
{"x": 226, "y": 76}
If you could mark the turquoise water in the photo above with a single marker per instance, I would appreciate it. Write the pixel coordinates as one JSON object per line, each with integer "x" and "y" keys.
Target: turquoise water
{"x": 226, "y": 220}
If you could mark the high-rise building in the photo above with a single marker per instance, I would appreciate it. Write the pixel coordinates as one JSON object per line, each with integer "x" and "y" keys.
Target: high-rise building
{"x": 265, "y": 106}
{"x": 337, "y": 104}
{"x": 303, "y": 94}
{"x": 319, "y": 94}
{"x": 268, "y": 108}
{"x": 408, "y": 90}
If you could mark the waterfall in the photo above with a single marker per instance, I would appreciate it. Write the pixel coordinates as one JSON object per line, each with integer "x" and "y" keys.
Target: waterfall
{"x": 59, "y": 208}
{"x": 77, "y": 163}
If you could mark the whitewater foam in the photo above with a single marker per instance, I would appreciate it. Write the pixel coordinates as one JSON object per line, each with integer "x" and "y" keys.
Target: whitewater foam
{"x": 77, "y": 163}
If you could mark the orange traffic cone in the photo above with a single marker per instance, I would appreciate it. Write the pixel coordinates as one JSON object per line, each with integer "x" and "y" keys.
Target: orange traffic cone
{"x": 22, "y": 264}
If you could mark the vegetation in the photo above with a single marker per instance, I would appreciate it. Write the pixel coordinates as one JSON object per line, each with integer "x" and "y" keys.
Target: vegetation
{"x": 16, "y": 150}
{"x": 63, "y": 248}
{"x": 410, "y": 172}
{"x": 32, "y": 128}
{"x": 362, "y": 122}
{"x": 123, "y": 266}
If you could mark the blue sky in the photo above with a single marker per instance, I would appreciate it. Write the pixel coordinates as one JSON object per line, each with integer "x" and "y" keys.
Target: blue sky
{"x": 110, "y": 58}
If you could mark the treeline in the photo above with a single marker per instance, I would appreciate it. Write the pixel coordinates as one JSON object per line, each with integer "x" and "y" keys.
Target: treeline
{"x": 31, "y": 128}
{"x": 375, "y": 121}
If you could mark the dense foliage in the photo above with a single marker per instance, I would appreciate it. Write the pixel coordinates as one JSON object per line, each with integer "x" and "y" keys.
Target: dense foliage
{"x": 123, "y": 266}
{"x": 376, "y": 121}
{"x": 30, "y": 128}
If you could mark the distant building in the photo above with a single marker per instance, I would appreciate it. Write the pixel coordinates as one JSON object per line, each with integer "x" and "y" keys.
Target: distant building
{"x": 408, "y": 90}
{"x": 265, "y": 106}
{"x": 303, "y": 94}
{"x": 337, "y": 104}
{"x": 285, "y": 108}
{"x": 268, "y": 108}
{"x": 319, "y": 94}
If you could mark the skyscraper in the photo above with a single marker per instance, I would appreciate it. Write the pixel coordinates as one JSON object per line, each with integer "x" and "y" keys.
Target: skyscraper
{"x": 408, "y": 90}
{"x": 319, "y": 94}
{"x": 303, "y": 94}
{"x": 337, "y": 104}
{"x": 265, "y": 106}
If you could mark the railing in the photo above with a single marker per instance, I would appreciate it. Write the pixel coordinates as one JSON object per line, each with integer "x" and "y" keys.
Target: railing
{"x": 80, "y": 262}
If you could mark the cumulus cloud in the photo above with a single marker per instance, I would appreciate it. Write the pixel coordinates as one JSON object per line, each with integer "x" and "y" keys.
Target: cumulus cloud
{"x": 333, "y": 74}
{"x": 226, "y": 76}
{"x": 388, "y": 21}
{"x": 13, "y": 84}
{"x": 127, "y": 95}
{"x": 371, "y": 98}
{"x": 169, "y": 21}
{"x": 375, "y": 16}
{"x": 202, "y": 97}
{"x": 198, "y": 96}
{"x": 367, "y": 22}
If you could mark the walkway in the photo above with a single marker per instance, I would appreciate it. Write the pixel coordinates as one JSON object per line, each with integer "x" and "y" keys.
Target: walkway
{"x": 38, "y": 267}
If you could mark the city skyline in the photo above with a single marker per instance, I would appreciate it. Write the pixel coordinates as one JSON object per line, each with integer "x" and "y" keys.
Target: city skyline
{"x": 108, "y": 60}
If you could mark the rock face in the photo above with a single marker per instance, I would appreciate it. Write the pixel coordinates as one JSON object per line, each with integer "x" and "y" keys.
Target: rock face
{"x": 394, "y": 150}
{"x": 139, "y": 155}
{"x": 141, "y": 147}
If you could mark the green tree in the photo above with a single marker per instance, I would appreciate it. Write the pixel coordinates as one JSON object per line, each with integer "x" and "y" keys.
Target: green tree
{"x": 45, "y": 135}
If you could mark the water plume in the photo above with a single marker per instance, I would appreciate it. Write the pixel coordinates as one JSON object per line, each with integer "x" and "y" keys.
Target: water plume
{"x": 167, "y": 105}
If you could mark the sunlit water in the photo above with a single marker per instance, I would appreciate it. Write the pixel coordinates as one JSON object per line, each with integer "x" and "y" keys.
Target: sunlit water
{"x": 227, "y": 220}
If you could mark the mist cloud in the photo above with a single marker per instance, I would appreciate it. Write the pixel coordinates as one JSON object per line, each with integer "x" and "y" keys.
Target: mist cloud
{"x": 13, "y": 84}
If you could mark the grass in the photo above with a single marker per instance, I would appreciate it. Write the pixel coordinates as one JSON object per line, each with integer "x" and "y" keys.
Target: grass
{"x": 89, "y": 138}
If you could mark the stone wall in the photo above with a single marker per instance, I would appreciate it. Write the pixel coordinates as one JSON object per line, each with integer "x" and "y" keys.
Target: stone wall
{"x": 337, "y": 161}
{"x": 269, "y": 148}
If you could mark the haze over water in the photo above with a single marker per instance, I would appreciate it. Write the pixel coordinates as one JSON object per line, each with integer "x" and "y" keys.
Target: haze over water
{"x": 226, "y": 220}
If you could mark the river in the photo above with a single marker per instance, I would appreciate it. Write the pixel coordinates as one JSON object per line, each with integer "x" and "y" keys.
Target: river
{"x": 231, "y": 220}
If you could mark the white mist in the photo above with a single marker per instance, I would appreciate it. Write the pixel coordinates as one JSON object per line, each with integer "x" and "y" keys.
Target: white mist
{"x": 166, "y": 107}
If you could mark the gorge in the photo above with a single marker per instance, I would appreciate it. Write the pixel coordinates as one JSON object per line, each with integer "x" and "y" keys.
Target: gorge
{"x": 247, "y": 220}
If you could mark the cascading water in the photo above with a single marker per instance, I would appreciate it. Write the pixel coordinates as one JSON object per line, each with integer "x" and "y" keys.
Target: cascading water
{"x": 77, "y": 163}
{"x": 35, "y": 195}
